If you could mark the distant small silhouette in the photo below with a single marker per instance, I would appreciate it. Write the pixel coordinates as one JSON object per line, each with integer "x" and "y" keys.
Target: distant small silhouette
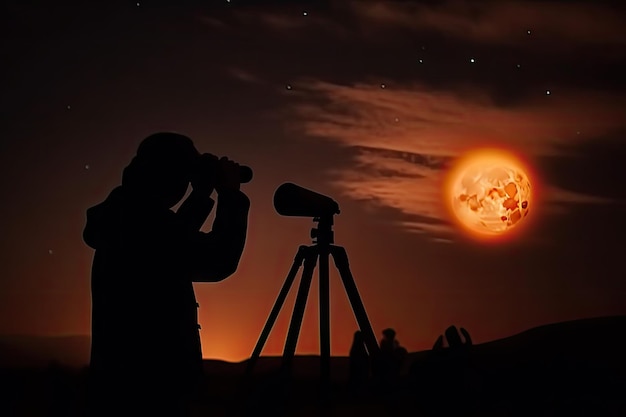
{"x": 442, "y": 376}
{"x": 392, "y": 354}
{"x": 453, "y": 339}
{"x": 146, "y": 356}
{"x": 359, "y": 362}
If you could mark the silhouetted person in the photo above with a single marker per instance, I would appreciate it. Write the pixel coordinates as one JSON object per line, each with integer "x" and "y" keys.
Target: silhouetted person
{"x": 388, "y": 343}
{"x": 392, "y": 354}
{"x": 145, "y": 353}
{"x": 359, "y": 362}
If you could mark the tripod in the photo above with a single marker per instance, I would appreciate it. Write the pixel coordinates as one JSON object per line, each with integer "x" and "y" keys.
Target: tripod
{"x": 310, "y": 256}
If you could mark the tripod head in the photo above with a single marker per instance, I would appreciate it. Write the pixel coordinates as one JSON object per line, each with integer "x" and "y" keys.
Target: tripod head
{"x": 324, "y": 231}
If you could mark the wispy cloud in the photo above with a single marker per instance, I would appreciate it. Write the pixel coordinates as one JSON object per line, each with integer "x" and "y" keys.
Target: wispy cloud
{"x": 284, "y": 20}
{"x": 244, "y": 75}
{"x": 502, "y": 22}
{"x": 403, "y": 138}
{"x": 485, "y": 21}
{"x": 212, "y": 22}
{"x": 422, "y": 121}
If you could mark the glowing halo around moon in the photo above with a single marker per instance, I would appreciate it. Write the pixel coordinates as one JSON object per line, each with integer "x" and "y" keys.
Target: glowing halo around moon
{"x": 489, "y": 194}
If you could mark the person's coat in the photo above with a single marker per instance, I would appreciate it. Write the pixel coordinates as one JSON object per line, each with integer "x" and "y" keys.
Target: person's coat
{"x": 144, "y": 311}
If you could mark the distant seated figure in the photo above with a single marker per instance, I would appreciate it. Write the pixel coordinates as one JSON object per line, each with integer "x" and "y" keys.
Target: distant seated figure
{"x": 146, "y": 356}
{"x": 392, "y": 354}
{"x": 359, "y": 361}
{"x": 452, "y": 336}
{"x": 388, "y": 343}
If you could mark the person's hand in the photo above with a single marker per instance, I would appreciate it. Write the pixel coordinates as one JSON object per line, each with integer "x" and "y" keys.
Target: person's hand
{"x": 204, "y": 175}
{"x": 228, "y": 177}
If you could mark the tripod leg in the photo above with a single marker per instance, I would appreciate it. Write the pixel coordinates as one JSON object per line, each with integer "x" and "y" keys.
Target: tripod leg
{"x": 280, "y": 300}
{"x": 341, "y": 261}
{"x": 324, "y": 315}
{"x": 310, "y": 260}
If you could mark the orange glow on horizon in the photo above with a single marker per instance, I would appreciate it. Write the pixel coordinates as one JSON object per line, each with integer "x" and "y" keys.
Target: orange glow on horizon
{"x": 475, "y": 160}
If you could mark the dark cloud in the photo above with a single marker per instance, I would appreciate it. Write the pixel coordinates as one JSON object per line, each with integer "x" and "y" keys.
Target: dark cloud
{"x": 498, "y": 22}
{"x": 428, "y": 161}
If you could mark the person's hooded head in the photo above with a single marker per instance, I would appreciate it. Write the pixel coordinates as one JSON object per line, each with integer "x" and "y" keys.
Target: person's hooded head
{"x": 160, "y": 172}
{"x": 389, "y": 334}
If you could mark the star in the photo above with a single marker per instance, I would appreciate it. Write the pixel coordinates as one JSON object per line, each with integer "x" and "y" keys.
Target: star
{"x": 137, "y": 4}
{"x": 421, "y": 61}
{"x": 519, "y": 66}
{"x": 548, "y": 92}
{"x": 69, "y": 107}
{"x": 383, "y": 86}
{"x": 50, "y": 252}
{"x": 423, "y": 48}
{"x": 288, "y": 86}
{"x": 396, "y": 120}
{"x": 528, "y": 31}
{"x": 305, "y": 14}
{"x": 472, "y": 60}
{"x": 86, "y": 166}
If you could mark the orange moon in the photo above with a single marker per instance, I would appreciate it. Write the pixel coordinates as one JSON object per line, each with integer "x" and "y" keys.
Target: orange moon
{"x": 488, "y": 193}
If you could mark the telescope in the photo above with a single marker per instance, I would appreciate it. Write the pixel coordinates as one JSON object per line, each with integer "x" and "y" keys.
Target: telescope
{"x": 292, "y": 200}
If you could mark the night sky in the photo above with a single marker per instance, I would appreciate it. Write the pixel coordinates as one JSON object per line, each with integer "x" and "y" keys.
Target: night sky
{"x": 364, "y": 101}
